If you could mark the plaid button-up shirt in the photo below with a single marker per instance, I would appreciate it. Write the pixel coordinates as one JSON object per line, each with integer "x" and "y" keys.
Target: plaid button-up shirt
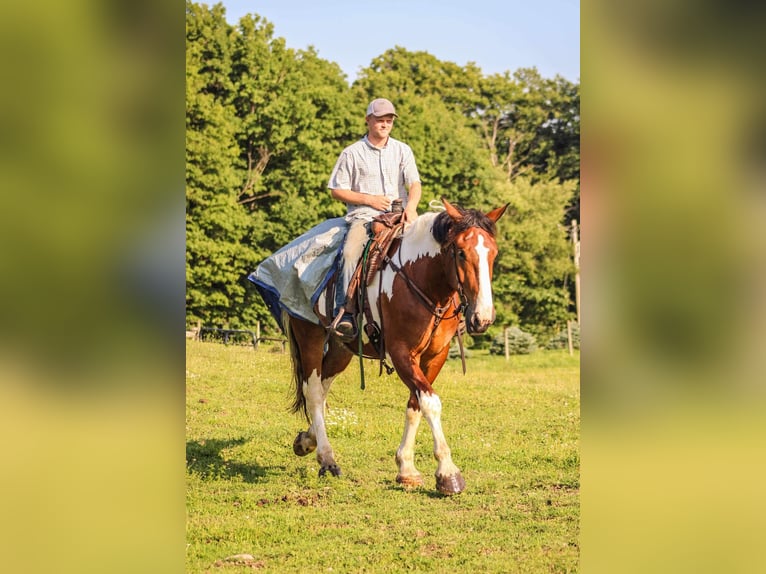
{"x": 362, "y": 167}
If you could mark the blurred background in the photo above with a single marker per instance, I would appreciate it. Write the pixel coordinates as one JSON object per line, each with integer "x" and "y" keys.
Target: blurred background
{"x": 674, "y": 276}
{"x": 92, "y": 281}
{"x": 92, "y": 286}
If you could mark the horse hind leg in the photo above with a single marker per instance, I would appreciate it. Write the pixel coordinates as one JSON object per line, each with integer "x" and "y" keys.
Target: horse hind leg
{"x": 304, "y": 443}
{"x": 307, "y": 343}
{"x": 315, "y": 392}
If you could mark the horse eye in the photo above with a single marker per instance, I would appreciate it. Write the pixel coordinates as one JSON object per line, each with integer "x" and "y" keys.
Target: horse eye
{"x": 461, "y": 254}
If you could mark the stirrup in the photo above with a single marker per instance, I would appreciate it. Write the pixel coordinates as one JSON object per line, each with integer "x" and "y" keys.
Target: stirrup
{"x": 343, "y": 334}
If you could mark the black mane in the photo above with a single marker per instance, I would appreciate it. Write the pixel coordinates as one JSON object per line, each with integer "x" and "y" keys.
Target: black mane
{"x": 445, "y": 229}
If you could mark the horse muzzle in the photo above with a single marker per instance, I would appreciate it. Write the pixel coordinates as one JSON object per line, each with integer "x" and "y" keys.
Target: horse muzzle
{"x": 477, "y": 323}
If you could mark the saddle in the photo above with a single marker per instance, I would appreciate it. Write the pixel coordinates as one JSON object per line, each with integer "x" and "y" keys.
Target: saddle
{"x": 386, "y": 232}
{"x": 384, "y": 239}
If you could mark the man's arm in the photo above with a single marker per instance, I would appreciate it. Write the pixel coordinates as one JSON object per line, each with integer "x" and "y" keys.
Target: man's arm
{"x": 413, "y": 198}
{"x": 379, "y": 202}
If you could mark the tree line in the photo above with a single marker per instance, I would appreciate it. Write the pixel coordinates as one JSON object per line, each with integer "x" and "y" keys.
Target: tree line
{"x": 265, "y": 124}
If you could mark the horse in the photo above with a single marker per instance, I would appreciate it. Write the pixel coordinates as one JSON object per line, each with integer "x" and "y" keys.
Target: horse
{"x": 441, "y": 270}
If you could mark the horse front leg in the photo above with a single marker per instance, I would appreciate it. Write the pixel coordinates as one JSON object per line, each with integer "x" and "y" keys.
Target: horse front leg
{"x": 408, "y": 475}
{"x": 449, "y": 480}
{"x": 427, "y": 403}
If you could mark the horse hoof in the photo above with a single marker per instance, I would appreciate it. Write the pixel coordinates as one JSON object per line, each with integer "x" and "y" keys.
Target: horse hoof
{"x": 333, "y": 468}
{"x": 450, "y": 484}
{"x": 410, "y": 481}
{"x": 302, "y": 445}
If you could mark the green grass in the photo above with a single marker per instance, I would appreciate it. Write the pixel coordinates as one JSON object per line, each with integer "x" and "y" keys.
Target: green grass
{"x": 513, "y": 428}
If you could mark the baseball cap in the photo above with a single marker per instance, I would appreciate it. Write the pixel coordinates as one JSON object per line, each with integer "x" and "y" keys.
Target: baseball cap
{"x": 381, "y": 107}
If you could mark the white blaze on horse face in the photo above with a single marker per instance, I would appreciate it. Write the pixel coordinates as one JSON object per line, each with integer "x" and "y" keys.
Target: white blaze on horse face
{"x": 484, "y": 305}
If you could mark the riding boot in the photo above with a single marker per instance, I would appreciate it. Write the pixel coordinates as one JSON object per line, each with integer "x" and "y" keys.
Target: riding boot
{"x": 344, "y": 325}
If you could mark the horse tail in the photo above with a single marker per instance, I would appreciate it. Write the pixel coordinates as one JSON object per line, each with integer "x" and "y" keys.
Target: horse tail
{"x": 299, "y": 401}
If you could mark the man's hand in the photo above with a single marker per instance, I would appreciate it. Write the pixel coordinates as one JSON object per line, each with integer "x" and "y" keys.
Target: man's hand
{"x": 410, "y": 214}
{"x": 379, "y": 202}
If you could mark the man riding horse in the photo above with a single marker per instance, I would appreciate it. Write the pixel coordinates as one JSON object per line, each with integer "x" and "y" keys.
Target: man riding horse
{"x": 368, "y": 177}
{"x": 435, "y": 270}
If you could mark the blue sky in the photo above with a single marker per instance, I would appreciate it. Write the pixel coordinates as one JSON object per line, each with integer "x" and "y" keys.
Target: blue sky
{"x": 496, "y": 35}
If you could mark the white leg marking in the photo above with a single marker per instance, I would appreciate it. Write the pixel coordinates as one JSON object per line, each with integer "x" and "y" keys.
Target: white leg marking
{"x": 405, "y": 455}
{"x": 432, "y": 407}
{"x": 314, "y": 391}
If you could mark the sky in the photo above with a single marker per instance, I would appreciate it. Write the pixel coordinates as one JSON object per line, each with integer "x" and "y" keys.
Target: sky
{"x": 496, "y": 35}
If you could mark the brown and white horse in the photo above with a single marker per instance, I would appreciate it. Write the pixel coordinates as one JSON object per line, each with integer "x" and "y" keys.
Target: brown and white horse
{"x": 443, "y": 267}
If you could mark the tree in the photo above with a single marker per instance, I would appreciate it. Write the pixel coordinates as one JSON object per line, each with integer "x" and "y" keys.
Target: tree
{"x": 297, "y": 116}
{"x": 534, "y": 263}
{"x": 530, "y": 126}
{"x": 215, "y": 224}
{"x": 486, "y": 141}
{"x": 265, "y": 125}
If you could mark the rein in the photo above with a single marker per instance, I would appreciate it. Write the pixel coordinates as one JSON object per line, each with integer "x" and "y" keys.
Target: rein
{"x": 438, "y": 312}
{"x": 432, "y": 307}
{"x": 362, "y": 291}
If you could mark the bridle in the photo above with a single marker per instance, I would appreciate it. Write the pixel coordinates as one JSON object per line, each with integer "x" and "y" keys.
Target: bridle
{"x": 460, "y": 291}
{"x": 439, "y": 313}
{"x": 425, "y": 300}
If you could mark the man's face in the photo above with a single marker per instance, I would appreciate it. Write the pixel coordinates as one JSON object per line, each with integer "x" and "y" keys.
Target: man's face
{"x": 380, "y": 127}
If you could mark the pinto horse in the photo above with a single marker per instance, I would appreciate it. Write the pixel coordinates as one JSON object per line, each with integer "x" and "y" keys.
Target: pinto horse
{"x": 442, "y": 268}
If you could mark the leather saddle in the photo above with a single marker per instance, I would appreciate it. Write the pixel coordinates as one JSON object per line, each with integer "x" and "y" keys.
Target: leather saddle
{"x": 384, "y": 238}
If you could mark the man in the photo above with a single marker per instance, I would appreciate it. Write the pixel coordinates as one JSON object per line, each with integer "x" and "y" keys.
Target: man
{"x": 368, "y": 176}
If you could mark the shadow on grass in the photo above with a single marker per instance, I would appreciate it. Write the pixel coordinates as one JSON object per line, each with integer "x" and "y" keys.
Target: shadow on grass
{"x": 427, "y": 491}
{"x": 204, "y": 458}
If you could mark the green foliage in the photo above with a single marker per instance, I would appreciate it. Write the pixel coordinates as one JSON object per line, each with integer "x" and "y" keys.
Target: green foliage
{"x": 215, "y": 223}
{"x": 534, "y": 262}
{"x": 448, "y": 152}
{"x": 519, "y": 343}
{"x": 265, "y": 124}
{"x": 483, "y": 141}
{"x": 561, "y": 340}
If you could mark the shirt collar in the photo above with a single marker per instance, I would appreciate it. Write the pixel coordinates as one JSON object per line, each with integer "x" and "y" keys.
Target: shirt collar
{"x": 369, "y": 143}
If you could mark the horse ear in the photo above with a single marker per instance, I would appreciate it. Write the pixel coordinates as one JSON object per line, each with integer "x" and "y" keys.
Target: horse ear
{"x": 497, "y": 213}
{"x": 452, "y": 210}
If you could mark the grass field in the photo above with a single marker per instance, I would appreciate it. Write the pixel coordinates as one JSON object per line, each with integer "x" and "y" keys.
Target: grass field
{"x": 513, "y": 428}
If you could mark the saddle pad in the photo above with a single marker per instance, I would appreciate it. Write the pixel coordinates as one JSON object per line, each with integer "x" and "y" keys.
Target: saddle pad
{"x": 293, "y": 277}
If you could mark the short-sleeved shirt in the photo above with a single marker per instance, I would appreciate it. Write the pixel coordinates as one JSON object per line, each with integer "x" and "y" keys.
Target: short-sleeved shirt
{"x": 362, "y": 167}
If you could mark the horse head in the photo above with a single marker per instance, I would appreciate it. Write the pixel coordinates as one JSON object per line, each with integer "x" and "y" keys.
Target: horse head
{"x": 471, "y": 249}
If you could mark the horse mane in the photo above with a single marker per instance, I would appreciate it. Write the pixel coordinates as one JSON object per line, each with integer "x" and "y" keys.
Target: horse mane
{"x": 445, "y": 229}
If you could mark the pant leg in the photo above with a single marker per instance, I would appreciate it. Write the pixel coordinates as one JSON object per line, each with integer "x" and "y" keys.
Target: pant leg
{"x": 356, "y": 239}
